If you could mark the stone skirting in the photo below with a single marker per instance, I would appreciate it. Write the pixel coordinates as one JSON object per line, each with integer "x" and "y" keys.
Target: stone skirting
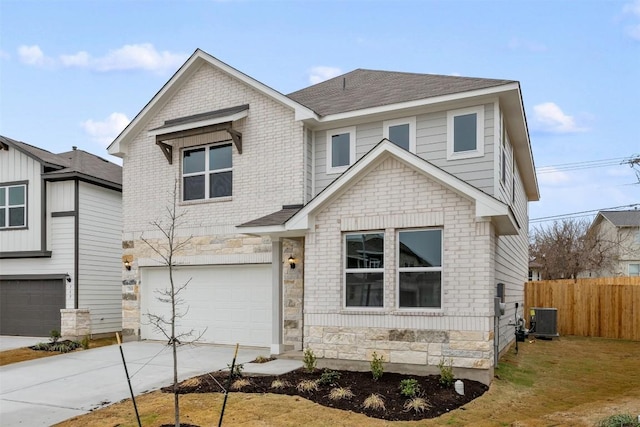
{"x": 463, "y": 349}
{"x": 75, "y": 323}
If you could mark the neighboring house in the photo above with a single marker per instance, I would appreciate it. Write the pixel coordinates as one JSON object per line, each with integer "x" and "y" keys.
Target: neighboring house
{"x": 60, "y": 242}
{"x": 619, "y": 232}
{"x": 535, "y": 271}
{"x": 376, "y": 211}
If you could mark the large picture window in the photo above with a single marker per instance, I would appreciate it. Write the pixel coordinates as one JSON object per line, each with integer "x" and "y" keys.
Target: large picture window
{"x": 364, "y": 270}
{"x": 420, "y": 268}
{"x": 207, "y": 172}
{"x": 13, "y": 206}
{"x": 465, "y": 133}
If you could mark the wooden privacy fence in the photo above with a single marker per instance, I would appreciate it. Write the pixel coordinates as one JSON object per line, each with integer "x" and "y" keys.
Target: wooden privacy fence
{"x": 606, "y": 307}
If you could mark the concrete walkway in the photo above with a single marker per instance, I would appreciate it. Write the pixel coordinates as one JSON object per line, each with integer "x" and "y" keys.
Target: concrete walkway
{"x": 46, "y": 391}
{"x": 11, "y": 343}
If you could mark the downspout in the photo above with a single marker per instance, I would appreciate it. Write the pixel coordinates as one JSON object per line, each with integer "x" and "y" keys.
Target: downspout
{"x": 76, "y": 243}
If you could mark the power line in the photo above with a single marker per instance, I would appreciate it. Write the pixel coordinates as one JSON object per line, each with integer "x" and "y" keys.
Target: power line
{"x": 580, "y": 214}
{"x": 588, "y": 164}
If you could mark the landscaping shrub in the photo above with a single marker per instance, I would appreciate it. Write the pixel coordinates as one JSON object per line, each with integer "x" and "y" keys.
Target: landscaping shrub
{"x": 446, "y": 373}
{"x": 377, "y": 366}
{"x": 309, "y": 360}
{"x": 329, "y": 377}
{"x": 619, "y": 420}
{"x": 409, "y": 387}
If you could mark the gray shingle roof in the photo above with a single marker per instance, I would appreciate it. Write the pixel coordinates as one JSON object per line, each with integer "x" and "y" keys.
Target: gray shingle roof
{"x": 361, "y": 88}
{"x": 76, "y": 163}
{"x": 275, "y": 218}
{"x": 203, "y": 116}
{"x": 623, "y": 218}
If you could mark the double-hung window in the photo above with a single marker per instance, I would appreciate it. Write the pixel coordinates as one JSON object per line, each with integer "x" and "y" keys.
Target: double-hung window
{"x": 13, "y": 206}
{"x": 634, "y": 269}
{"x": 465, "y": 133}
{"x": 420, "y": 268}
{"x": 341, "y": 149}
{"x": 207, "y": 172}
{"x": 401, "y": 132}
{"x": 364, "y": 270}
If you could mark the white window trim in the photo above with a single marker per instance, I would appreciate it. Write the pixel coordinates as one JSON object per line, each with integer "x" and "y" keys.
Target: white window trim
{"x": 352, "y": 148}
{"x": 479, "y": 151}
{"x": 6, "y": 207}
{"x": 207, "y": 173}
{"x": 361, "y": 270}
{"x": 418, "y": 269}
{"x": 411, "y": 121}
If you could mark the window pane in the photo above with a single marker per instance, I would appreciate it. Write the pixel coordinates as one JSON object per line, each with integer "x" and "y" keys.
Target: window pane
{"x": 220, "y": 157}
{"x": 16, "y": 195}
{"x": 634, "y": 269}
{"x": 420, "y": 289}
{"x": 399, "y": 135}
{"x": 420, "y": 248}
{"x": 193, "y": 187}
{"x": 193, "y": 161}
{"x": 340, "y": 150}
{"x": 364, "y": 289}
{"x": 3, "y": 195}
{"x": 220, "y": 184}
{"x": 3, "y": 215}
{"x": 464, "y": 132}
{"x": 16, "y": 217}
{"x": 365, "y": 250}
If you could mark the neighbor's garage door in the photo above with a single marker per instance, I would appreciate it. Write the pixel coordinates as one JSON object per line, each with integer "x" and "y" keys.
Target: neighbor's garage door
{"x": 31, "y": 307}
{"x": 233, "y": 303}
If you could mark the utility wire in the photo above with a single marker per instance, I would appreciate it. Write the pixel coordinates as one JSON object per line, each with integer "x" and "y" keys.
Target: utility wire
{"x": 580, "y": 214}
{"x": 589, "y": 164}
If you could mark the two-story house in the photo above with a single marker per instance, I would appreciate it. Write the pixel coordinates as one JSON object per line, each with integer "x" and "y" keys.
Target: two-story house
{"x": 376, "y": 211}
{"x": 619, "y": 233}
{"x": 60, "y": 242}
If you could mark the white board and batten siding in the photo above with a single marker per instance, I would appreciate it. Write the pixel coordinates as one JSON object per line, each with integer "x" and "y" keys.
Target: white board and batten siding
{"x": 18, "y": 167}
{"x": 100, "y": 262}
{"x": 431, "y": 145}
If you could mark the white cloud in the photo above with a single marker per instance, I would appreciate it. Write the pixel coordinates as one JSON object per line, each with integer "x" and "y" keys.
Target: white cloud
{"x": 33, "y": 55}
{"x": 80, "y": 59}
{"x": 321, "y": 73}
{"x": 633, "y": 9}
{"x": 548, "y": 117}
{"x": 633, "y": 31}
{"x": 518, "y": 44}
{"x": 105, "y": 131}
{"x": 139, "y": 56}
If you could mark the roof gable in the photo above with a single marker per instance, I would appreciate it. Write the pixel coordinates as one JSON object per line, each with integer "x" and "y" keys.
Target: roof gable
{"x": 184, "y": 73}
{"x": 629, "y": 218}
{"x": 46, "y": 158}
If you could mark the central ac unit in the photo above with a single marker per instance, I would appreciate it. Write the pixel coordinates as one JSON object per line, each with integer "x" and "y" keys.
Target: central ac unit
{"x": 544, "y": 322}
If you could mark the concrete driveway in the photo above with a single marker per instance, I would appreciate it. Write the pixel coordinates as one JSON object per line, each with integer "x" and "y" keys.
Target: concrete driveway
{"x": 46, "y": 391}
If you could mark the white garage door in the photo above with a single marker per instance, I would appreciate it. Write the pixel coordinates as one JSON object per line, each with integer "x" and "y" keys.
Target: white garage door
{"x": 233, "y": 303}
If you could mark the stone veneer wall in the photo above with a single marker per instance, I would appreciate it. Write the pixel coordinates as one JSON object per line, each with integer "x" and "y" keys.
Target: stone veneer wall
{"x": 293, "y": 292}
{"x": 75, "y": 323}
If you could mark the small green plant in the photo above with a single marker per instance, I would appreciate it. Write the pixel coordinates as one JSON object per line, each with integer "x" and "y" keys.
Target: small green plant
{"x": 329, "y": 377}
{"x": 339, "y": 393}
{"x": 409, "y": 387}
{"x": 307, "y": 386}
{"x": 377, "y": 366}
{"x": 309, "y": 359}
{"x": 279, "y": 384}
{"x": 54, "y": 336}
{"x": 446, "y": 372}
{"x": 619, "y": 420}
{"x": 240, "y": 383}
{"x": 417, "y": 404}
{"x": 237, "y": 370}
{"x": 261, "y": 359}
{"x": 374, "y": 401}
{"x": 85, "y": 342}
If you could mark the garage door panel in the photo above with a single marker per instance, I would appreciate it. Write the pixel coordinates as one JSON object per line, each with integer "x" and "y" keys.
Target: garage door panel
{"x": 233, "y": 303}
{"x": 31, "y": 306}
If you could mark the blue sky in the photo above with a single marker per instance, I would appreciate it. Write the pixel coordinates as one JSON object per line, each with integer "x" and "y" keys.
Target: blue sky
{"x": 75, "y": 72}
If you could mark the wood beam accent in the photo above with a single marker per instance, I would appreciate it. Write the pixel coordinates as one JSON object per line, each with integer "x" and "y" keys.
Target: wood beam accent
{"x": 167, "y": 149}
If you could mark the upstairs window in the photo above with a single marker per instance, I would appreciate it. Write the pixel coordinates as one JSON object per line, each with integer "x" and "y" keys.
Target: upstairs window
{"x": 341, "y": 149}
{"x": 207, "y": 172}
{"x": 364, "y": 270}
{"x": 13, "y": 206}
{"x": 634, "y": 269}
{"x": 420, "y": 268}
{"x": 401, "y": 132}
{"x": 465, "y": 133}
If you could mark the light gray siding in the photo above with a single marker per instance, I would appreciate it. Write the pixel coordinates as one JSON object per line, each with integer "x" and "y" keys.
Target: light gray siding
{"x": 18, "y": 167}
{"x": 100, "y": 263}
{"x": 431, "y": 145}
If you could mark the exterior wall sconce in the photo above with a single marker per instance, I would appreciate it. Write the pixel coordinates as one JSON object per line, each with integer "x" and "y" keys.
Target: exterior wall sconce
{"x": 292, "y": 262}
{"x": 68, "y": 278}
{"x": 127, "y": 264}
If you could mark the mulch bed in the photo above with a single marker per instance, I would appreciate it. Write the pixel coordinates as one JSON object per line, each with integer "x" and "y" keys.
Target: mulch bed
{"x": 441, "y": 399}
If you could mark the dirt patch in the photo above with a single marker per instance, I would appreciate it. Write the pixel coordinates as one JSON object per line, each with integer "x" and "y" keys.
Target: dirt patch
{"x": 437, "y": 399}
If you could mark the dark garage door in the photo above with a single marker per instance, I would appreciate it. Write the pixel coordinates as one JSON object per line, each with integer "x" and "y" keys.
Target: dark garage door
{"x": 31, "y": 307}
